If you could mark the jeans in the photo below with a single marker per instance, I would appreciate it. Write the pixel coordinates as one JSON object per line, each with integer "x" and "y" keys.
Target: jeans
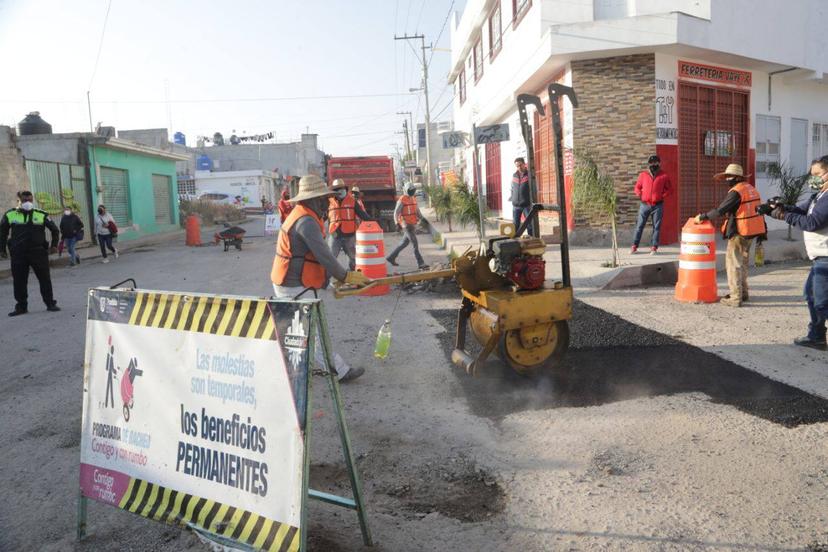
{"x": 346, "y": 243}
{"x": 70, "y": 247}
{"x": 644, "y": 212}
{"x": 105, "y": 241}
{"x": 816, "y": 294}
{"x": 517, "y": 212}
{"x": 410, "y": 237}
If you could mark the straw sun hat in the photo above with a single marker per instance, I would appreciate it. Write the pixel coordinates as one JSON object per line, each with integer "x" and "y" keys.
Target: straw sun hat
{"x": 732, "y": 170}
{"x": 311, "y": 186}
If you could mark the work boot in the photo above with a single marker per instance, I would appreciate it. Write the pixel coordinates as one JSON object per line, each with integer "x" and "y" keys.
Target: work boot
{"x": 392, "y": 262}
{"x": 18, "y": 311}
{"x": 352, "y": 374}
{"x": 806, "y": 341}
{"x": 53, "y": 307}
{"x": 730, "y": 301}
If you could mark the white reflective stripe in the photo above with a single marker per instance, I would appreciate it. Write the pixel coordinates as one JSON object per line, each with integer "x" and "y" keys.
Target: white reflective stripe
{"x": 360, "y": 236}
{"x": 367, "y": 249}
{"x": 703, "y": 238}
{"x": 697, "y": 265}
{"x": 695, "y": 249}
{"x": 370, "y": 261}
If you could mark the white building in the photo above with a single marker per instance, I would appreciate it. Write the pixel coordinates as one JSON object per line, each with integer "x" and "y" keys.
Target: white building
{"x": 703, "y": 83}
{"x": 243, "y": 188}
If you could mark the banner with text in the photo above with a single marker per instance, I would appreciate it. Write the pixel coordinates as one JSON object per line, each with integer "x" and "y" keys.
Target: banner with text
{"x": 194, "y": 411}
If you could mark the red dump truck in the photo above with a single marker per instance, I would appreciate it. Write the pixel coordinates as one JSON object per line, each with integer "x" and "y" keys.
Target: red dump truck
{"x": 375, "y": 178}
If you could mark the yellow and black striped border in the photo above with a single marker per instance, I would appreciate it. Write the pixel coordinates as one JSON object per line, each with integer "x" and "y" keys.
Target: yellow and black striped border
{"x": 172, "y": 507}
{"x": 248, "y": 318}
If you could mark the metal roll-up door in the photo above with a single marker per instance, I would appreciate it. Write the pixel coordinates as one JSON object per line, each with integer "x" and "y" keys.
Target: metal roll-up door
{"x": 116, "y": 194}
{"x": 161, "y": 197}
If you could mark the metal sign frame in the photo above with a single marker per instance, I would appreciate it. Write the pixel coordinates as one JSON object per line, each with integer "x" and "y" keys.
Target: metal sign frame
{"x": 318, "y": 323}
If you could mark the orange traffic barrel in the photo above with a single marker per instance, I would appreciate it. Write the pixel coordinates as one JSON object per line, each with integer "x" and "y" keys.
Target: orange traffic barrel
{"x": 193, "y": 231}
{"x": 697, "y": 264}
{"x": 370, "y": 255}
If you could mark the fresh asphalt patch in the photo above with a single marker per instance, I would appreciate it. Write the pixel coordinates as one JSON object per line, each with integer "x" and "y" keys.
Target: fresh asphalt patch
{"x": 610, "y": 360}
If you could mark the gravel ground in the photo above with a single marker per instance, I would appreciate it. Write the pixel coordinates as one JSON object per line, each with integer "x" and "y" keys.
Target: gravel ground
{"x": 647, "y": 444}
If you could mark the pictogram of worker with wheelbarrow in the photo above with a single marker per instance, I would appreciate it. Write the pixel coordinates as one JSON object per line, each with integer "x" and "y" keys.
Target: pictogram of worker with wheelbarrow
{"x": 127, "y": 386}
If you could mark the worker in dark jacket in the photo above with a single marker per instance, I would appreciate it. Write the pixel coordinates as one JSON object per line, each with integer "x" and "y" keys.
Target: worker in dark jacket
{"x": 28, "y": 249}
{"x": 742, "y": 224}
{"x": 521, "y": 196}
{"x": 652, "y": 186}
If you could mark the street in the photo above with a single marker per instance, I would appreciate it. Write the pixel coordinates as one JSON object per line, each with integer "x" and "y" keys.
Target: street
{"x": 642, "y": 441}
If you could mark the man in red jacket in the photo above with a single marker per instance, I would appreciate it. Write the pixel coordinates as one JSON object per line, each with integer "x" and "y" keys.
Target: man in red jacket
{"x": 652, "y": 187}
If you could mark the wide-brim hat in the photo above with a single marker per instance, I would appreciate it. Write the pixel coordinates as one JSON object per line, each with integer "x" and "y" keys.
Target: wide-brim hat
{"x": 311, "y": 186}
{"x": 338, "y": 183}
{"x": 355, "y": 189}
{"x": 734, "y": 169}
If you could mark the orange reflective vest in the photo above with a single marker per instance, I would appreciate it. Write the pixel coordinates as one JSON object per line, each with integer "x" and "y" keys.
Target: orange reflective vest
{"x": 749, "y": 223}
{"x": 313, "y": 274}
{"x": 341, "y": 215}
{"x": 409, "y": 210}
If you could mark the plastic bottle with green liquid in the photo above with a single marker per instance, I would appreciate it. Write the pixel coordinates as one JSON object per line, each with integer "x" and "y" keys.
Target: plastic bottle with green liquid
{"x": 383, "y": 340}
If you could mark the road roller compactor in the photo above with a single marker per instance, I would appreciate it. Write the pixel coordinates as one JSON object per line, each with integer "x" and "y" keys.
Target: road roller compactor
{"x": 513, "y": 310}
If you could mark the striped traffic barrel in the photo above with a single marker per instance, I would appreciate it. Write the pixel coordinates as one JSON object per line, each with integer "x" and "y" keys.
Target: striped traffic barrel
{"x": 697, "y": 264}
{"x": 370, "y": 255}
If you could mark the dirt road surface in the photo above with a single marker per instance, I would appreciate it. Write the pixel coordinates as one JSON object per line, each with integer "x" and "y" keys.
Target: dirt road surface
{"x": 647, "y": 444}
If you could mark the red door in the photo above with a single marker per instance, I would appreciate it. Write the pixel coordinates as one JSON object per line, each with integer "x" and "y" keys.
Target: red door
{"x": 494, "y": 194}
{"x": 713, "y": 132}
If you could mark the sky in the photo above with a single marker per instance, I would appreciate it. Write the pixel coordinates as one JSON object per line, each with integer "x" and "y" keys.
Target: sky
{"x": 204, "y": 66}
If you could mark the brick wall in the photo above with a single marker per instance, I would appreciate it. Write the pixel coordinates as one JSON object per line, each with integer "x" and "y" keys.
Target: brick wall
{"x": 13, "y": 176}
{"x": 615, "y": 119}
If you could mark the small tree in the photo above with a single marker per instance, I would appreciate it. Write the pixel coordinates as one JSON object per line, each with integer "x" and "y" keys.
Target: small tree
{"x": 466, "y": 207}
{"x": 790, "y": 186}
{"x": 594, "y": 191}
{"x": 441, "y": 202}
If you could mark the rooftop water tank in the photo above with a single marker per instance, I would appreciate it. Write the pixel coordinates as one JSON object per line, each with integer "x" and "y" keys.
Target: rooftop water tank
{"x": 203, "y": 163}
{"x": 179, "y": 138}
{"x": 33, "y": 124}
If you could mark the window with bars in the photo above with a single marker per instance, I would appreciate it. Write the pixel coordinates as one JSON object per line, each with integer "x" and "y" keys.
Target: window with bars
{"x": 478, "y": 59}
{"x": 820, "y": 140}
{"x": 461, "y": 85}
{"x": 519, "y": 9}
{"x": 495, "y": 31}
{"x": 768, "y": 137}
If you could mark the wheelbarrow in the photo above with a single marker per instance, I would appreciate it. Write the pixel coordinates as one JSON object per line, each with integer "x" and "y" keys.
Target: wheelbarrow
{"x": 232, "y": 236}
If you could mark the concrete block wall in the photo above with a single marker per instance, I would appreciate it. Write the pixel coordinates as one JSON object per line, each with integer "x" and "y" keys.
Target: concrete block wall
{"x": 13, "y": 176}
{"x": 615, "y": 120}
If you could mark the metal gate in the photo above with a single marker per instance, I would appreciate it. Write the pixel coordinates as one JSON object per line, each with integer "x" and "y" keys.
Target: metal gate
{"x": 544, "y": 143}
{"x": 59, "y": 185}
{"x": 161, "y": 198}
{"x": 494, "y": 190}
{"x": 116, "y": 194}
{"x": 713, "y": 132}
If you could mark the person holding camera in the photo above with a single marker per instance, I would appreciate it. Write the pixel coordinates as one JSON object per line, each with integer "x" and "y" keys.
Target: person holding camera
{"x": 811, "y": 216}
{"x": 742, "y": 223}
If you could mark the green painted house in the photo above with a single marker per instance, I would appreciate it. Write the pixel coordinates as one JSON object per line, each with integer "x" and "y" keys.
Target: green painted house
{"x": 137, "y": 184}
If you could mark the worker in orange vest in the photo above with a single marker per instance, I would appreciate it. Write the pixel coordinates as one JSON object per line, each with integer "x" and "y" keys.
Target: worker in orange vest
{"x": 358, "y": 198}
{"x": 407, "y": 214}
{"x": 742, "y": 223}
{"x": 303, "y": 259}
{"x": 343, "y": 210}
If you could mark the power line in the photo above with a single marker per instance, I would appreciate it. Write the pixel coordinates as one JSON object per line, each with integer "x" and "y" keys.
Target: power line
{"x": 443, "y": 28}
{"x": 100, "y": 45}
{"x": 224, "y": 100}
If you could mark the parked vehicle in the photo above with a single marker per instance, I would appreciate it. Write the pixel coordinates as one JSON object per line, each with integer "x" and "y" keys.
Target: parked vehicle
{"x": 375, "y": 177}
{"x": 218, "y": 197}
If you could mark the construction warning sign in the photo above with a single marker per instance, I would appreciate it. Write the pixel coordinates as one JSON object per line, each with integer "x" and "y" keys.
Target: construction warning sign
{"x": 194, "y": 411}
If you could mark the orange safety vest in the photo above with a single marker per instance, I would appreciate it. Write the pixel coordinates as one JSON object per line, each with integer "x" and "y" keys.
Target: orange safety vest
{"x": 409, "y": 210}
{"x": 749, "y": 223}
{"x": 313, "y": 274}
{"x": 342, "y": 215}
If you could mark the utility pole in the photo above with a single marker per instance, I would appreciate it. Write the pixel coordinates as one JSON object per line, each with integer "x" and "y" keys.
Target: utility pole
{"x": 407, "y": 142}
{"x": 411, "y": 126}
{"x": 425, "y": 92}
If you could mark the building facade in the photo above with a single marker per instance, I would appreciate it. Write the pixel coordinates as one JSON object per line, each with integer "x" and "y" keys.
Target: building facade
{"x": 696, "y": 81}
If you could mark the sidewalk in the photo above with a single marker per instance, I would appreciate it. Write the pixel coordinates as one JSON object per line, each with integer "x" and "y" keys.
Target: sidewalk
{"x": 587, "y": 263}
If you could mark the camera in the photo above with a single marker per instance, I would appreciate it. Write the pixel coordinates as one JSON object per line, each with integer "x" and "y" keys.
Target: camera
{"x": 767, "y": 207}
